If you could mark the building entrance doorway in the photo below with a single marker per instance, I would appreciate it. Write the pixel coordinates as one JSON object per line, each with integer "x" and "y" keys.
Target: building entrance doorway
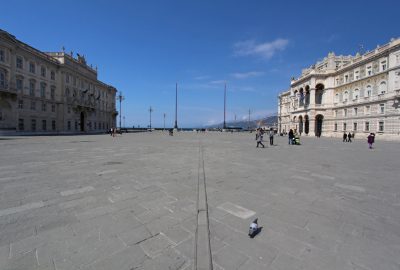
{"x": 300, "y": 124}
{"x": 318, "y": 125}
{"x": 306, "y": 124}
{"x": 82, "y": 121}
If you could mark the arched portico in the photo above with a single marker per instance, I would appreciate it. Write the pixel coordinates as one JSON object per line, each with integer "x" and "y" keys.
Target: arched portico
{"x": 300, "y": 124}
{"x": 82, "y": 121}
{"x": 306, "y": 124}
{"x": 319, "y": 92}
{"x": 307, "y": 96}
{"x": 318, "y": 124}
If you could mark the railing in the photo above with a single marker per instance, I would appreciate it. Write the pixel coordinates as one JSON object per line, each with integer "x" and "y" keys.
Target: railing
{"x": 5, "y": 87}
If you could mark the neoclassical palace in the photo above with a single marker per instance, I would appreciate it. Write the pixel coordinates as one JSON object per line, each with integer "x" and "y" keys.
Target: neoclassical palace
{"x": 51, "y": 92}
{"x": 359, "y": 94}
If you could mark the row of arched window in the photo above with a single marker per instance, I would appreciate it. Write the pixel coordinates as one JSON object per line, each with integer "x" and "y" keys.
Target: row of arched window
{"x": 356, "y": 93}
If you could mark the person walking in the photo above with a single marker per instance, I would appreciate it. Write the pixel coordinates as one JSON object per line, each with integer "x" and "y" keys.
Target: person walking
{"x": 344, "y": 137}
{"x": 371, "y": 140}
{"x": 271, "y": 137}
{"x": 259, "y": 138}
{"x": 291, "y": 136}
{"x": 349, "y": 137}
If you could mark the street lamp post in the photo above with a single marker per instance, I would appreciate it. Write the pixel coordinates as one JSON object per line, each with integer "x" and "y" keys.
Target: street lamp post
{"x": 120, "y": 98}
{"x": 123, "y": 118}
{"x": 164, "y": 120}
{"x": 249, "y": 119}
{"x": 176, "y": 106}
{"x": 225, "y": 107}
{"x": 150, "y": 110}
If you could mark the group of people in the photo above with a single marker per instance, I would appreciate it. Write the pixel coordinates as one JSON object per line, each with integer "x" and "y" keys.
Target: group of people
{"x": 294, "y": 138}
{"x": 347, "y": 137}
{"x": 260, "y": 136}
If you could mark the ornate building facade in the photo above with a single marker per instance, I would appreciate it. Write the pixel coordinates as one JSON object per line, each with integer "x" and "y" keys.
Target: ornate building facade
{"x": 358, "y": 94}
{"x": 51, "y": 92}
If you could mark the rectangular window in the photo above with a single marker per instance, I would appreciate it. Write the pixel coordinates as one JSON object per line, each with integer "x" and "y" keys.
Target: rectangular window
{"x": 20, "y": 84}
{"x": 44, "y": 125}
{"x": 335, "y": 126}
{"x": 69, "y": 125}
{"x": 346, "y": 78}
{"x": 33, "y": 124}
{"x": 356, "y": 75}
{"x": 32, "y": 67}
{"x": 383, "y": 65}
{"x": 76, "y": 125}
{"x": 43, "y": 71}
{"x": 20, "y": 62}
{"x": 44, "y": 107}
{"x": 355, "y": 126}
{"x": 52, "y": 93}
{"x": 366, "y": 126}
{"x": 33, "y": 105}
{"x": 367, "y": 109}
{"x": 369, "y": 70}
{"x": 67, "y": 78}
{"x": 53, "y": 75}
{"x": 32, "y": 88}
{"x": 20, "y": 104}
{"x": 355, "y": 111}
{"x": 42, "y": 90}
{"x": 53, "y": 125}
{"x": 21, "y": 124}
{"x": 2, "y": 55}
{"x": 345, "y": 112}
{"x": 69, "y": 109}
{"x": 53, "y": 108}
{"x": 344, "y": 126}
{"x": 381, "y": 126}
{"x": 382, "y": 108}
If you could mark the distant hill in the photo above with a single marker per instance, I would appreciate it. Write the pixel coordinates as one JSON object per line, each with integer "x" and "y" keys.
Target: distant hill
{"x": 267, "y": 121}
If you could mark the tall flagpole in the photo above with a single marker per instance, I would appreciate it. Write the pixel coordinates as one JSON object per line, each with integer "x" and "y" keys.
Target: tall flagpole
{"x": 225, "y": 106}
{"x": 176, "y": 106}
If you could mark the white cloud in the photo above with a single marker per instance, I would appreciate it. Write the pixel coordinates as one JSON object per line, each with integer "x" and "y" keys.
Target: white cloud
{"x": 245, "y": 75}
{"x": 218, "y": 82}
{"x": 202, "y": 77}
{"x": 266, "y": 50}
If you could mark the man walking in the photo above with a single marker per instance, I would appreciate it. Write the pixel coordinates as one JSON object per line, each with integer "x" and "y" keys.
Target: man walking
{"x": 349, "y": 137}
{"x": 291, "y": 135}
{"x": 259, "y": 138}
{"x": 371, "y": 140}
{"x": 271, "y": 137}
{"x": 344, "y": 137}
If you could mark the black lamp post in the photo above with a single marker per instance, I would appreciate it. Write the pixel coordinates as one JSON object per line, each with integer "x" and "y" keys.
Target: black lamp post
{"x": 120, "y": 98}
{"x": 150, "y": 110}
{"x": 176, "y": 106}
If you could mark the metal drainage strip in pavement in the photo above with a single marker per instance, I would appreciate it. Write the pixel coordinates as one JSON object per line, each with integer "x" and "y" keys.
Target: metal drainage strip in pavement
{"x": 202, "y": 248}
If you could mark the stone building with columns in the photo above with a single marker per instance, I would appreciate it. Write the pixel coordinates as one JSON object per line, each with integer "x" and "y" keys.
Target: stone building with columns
{"x": 55, "y": 92}
{"x": 358, "y": 94}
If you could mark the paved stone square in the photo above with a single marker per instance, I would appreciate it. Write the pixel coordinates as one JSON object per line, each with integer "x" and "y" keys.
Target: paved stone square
{"x": 130, "y": 202}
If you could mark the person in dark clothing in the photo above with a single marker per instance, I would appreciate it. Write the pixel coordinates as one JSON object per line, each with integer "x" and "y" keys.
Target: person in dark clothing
{"x": 345, "y": 137}
{"x": 349, "y": 137}
{"x": 271, "y": 137}
{"x": 371, "y": 140}
{"x": 291, "y": 136}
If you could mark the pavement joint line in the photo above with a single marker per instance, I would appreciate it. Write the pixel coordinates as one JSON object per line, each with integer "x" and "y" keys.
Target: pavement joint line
{"x": 21, "y": 208}
{"x": 76, "y": 191}
{"x": 202, "y": 246}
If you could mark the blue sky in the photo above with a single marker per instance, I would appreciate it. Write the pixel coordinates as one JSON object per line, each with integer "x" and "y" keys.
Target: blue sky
{"x": 144, "y": 47}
